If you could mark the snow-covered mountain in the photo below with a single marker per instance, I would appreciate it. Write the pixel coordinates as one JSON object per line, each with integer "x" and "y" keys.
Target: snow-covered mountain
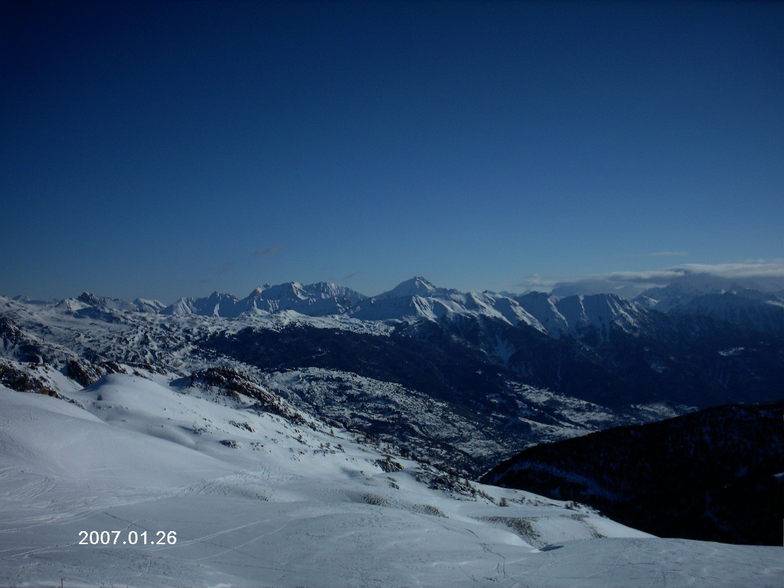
{"x": 752, "y": 309}
{"x": 423, "y": 379}
{"x": 691, "y": 285}
{"x": 722, "y": 300}
{"x": 358, "y": 373}
{"x": 578, "y": 313}
{"x": 417, "y": 299}
{"x": 319, "y": 299}
{"x": 317, "y": 439}
{"x": 416, "y": 286}
{"x": 412, "y": 299}
{"x": 148, "y": 305}
{"x": 764, "y": 313}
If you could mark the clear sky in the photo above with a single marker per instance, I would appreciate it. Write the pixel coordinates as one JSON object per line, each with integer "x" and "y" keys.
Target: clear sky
{"x": 173, "y": 148}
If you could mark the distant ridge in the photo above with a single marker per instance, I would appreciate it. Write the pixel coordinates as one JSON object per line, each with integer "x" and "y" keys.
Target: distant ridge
{"x": 419, "y": 299}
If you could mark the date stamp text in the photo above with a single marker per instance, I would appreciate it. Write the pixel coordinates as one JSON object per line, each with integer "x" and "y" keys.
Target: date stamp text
{"x": 127, "y": 537}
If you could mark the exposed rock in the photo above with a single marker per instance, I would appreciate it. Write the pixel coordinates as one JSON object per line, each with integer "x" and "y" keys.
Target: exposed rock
{"x": 112, "y": 367}
{"x": 89, "y": 298}
{"x": 20, "y": 345}
{"x": 388, "y": 464}
{"x": 235, "y": 385}
{"x": 21, "y": 381}
{"x": 81, "y": 372}
{"x": 243, "y": 425}
{"x": 230, "y": 380}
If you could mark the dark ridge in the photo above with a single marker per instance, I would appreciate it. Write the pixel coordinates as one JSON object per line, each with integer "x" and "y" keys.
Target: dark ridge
{"x": 714, "y": 475}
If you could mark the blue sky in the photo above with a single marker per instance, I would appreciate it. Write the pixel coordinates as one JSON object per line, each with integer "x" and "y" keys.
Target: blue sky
{"x": 175, "y": 148}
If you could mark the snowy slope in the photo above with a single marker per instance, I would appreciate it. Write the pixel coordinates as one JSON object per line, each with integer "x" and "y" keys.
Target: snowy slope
{"x": 692, "y": 285}
{"x": 259, "y": 500}
{"x": 762, "y": 312}
{"x": 574, "y": 314}
{"x": 318, "y": 299}
{"x": 417, "y": 299}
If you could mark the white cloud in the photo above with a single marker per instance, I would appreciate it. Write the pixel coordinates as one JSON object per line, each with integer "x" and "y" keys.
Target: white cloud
{"x": 760, "y": 274}
{"x": 536, "y": 282}
{"x": 651, "y": 276}
{"x": 748, "y": 269}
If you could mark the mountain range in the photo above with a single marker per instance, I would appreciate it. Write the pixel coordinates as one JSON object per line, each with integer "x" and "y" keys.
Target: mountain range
{"x": 394, "y": 405}
{"x": 490, "y": 373}
{"x": 717, "y": 298}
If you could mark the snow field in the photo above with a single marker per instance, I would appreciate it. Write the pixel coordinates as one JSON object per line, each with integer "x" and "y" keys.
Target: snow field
{"x": 259, "y": 501}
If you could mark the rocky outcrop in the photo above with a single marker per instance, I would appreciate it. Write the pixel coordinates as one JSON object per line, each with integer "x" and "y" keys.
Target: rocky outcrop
{"x": 236, "y": 385}
{"x": 17, "y": 379}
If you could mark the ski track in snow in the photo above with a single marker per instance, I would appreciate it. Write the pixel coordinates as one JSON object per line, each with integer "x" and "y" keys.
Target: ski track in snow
{"x": 290, "y": 513}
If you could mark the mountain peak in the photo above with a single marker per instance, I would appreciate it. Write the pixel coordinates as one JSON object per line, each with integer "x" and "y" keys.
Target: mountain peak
{"x": 277, "y": 290}
{"x": 421, "y": 281}
{"x": 89, "y": 298}
{"x": 257, "y": 291}
{"x": 416, "y": 286}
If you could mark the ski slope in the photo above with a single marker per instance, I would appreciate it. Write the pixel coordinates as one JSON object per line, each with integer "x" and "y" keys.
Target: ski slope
{"x": 259, "y": 500}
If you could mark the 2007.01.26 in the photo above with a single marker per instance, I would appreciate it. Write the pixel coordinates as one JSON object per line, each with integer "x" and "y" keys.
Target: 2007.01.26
{"x": 127, "y": 537}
